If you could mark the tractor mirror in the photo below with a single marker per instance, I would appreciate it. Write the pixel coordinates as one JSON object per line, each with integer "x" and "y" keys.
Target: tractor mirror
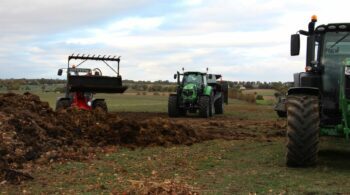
{"x": 59, "y": 73}
{"x": 175, "y": 76}
{"x": 295, "y": 45}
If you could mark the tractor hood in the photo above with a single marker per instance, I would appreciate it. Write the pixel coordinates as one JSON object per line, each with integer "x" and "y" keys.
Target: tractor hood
{"x": 190, "y": 86}
{"x": 189, "y": 92}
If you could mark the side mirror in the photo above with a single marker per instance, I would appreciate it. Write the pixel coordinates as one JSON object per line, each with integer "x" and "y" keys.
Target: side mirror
{"x": 175, "y": 76}
{"x": 210, "y": 76}
{"x": 60, "y": 71}
{"x": 295, "y": 45}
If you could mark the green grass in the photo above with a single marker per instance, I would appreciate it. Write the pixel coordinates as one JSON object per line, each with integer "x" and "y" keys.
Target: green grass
{"x": 228, "y": 167}
{"x": 268, "y": 102}
{"x": 121, "y": 102}
{"x": 264, "y": 92}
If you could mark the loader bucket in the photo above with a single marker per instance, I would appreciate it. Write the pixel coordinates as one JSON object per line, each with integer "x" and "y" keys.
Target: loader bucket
{"x": 95, "y": 84}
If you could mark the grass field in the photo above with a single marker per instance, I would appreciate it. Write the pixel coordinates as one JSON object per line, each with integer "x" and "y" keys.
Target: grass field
{"x": 213, "y": 167}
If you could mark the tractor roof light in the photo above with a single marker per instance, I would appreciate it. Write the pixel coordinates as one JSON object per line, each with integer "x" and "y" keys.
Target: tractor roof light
{"x": 321, "y": 28}
{"x": 332, "y": 27}
{"x": 314, "y": 18}
{"x": 343, "y": 26}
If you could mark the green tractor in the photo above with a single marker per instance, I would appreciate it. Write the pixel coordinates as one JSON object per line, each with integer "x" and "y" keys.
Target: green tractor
{"x": 319, "y": 102}
{"x": 198, "y": 91}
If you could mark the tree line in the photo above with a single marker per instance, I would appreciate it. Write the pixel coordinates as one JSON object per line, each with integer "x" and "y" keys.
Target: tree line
{"x": 159, "y": 86}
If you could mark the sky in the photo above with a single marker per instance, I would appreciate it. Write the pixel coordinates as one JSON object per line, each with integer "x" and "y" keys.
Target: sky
{"x": 244, "y": 40}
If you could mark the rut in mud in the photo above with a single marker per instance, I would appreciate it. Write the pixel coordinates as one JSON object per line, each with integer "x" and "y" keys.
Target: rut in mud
{"x": 30, "y": 131}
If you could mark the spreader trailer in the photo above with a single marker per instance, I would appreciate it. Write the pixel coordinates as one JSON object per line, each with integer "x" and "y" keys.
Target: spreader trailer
{"x": 83, "y": 83}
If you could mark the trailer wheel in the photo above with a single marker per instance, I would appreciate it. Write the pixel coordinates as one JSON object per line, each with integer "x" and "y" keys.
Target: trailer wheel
{"x": 211, "y": 107}
{"x": 302, "y": 130}
{"x": 219, "y": 106}
{"x": 62, "y": 104}
{"x": 204, "y": 106}
{"x": 100, "y": 104}
{"x": 173, "y": 110}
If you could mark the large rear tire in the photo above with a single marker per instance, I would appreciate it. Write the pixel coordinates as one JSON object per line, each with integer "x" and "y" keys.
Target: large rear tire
{"x": 62, "y": 104}
{"x": 99, "y": 104}
{"x": 173, "y": 110}
{"x": 204, "y": 106}
{"x": 219, "y": 106}
{"x": 302, "y": 130}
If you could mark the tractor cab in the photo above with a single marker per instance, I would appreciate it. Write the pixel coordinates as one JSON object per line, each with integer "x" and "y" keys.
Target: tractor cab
{"x": 82, "y": 83}
{"x": 327, "y": 66}
{"x": 196, "y": 78}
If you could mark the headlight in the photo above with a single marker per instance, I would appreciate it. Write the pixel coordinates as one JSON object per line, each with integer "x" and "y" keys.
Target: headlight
{"x": 308, "y": 68}
{"x": 347, "y": 70}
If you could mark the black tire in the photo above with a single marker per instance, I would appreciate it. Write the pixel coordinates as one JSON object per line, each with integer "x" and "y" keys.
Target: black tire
{"x": 219, "y": 106}
{"x": 183, "y": 112}
{"x": 100, "y": 104}
{"x": 281, "y": 114}
{"x": 62, "y": 104}
{"x": 211, "y": 107}
{"x": 204, "y": 106}
{"x": 302, "y": 130}
{"x": 173, "y": 110}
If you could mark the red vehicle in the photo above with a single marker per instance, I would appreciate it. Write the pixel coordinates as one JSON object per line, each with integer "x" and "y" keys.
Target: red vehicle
{"x": 83, "y": 83}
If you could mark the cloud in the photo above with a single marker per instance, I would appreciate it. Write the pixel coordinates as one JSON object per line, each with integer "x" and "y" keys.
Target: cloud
{"x": 243, "y": 40}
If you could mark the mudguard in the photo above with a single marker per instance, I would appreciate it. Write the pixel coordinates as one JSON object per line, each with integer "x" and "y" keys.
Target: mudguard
{"x": 303, "y": 90}
{"x": 208, "y": 90}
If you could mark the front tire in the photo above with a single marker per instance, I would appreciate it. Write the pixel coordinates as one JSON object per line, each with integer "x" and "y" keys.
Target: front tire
{"x": 62, "y": 104}
{"x": 204, "y": 106}
{"x": 302, "y": 130}
{"x": 219, "y": 106}
{"x": 173, "y": 110}
{"x": 100, "y": 104}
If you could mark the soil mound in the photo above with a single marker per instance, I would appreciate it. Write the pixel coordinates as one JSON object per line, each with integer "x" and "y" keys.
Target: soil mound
{"x": 31, "y": 130}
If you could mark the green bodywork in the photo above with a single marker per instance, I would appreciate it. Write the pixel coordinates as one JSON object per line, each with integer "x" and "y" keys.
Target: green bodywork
{"x": 337, "y": 57}
{"x": 344, "y": 106}
{"x": 189, "y": 92}
{"x": 207, "y": 90}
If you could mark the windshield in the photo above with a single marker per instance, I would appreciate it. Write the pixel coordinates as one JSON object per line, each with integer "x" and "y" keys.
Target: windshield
{"x": 192, "y": 78}
{"x": 336, "y": 52}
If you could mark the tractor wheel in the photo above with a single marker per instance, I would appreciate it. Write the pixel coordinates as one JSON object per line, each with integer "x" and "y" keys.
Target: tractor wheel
{"x": 219, "y": 106}
{"x": 281, "y": 114}
{"x": 173, "y": 110}
{"x": 302, "y": 130}
{"x": 211, "y": 107}
{"x": 204, "y": 106}
{"x": 183, "y": 112}
{"x": 100, "y": 104}
{"x": 62, "y": 104}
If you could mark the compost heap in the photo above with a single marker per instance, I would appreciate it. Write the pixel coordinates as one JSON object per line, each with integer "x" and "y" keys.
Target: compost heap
{"x": 31, "y": 131}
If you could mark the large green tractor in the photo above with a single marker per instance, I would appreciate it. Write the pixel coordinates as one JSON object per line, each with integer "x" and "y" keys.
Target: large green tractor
{"x": 319, "y": 102}
{"x": 197, "y": 91}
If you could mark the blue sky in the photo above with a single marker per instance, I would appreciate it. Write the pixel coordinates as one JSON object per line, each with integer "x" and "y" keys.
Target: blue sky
{"x": 242, "y": 39}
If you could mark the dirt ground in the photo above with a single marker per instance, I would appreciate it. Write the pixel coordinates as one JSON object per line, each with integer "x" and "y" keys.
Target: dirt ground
{"x": 31, "y": 133}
